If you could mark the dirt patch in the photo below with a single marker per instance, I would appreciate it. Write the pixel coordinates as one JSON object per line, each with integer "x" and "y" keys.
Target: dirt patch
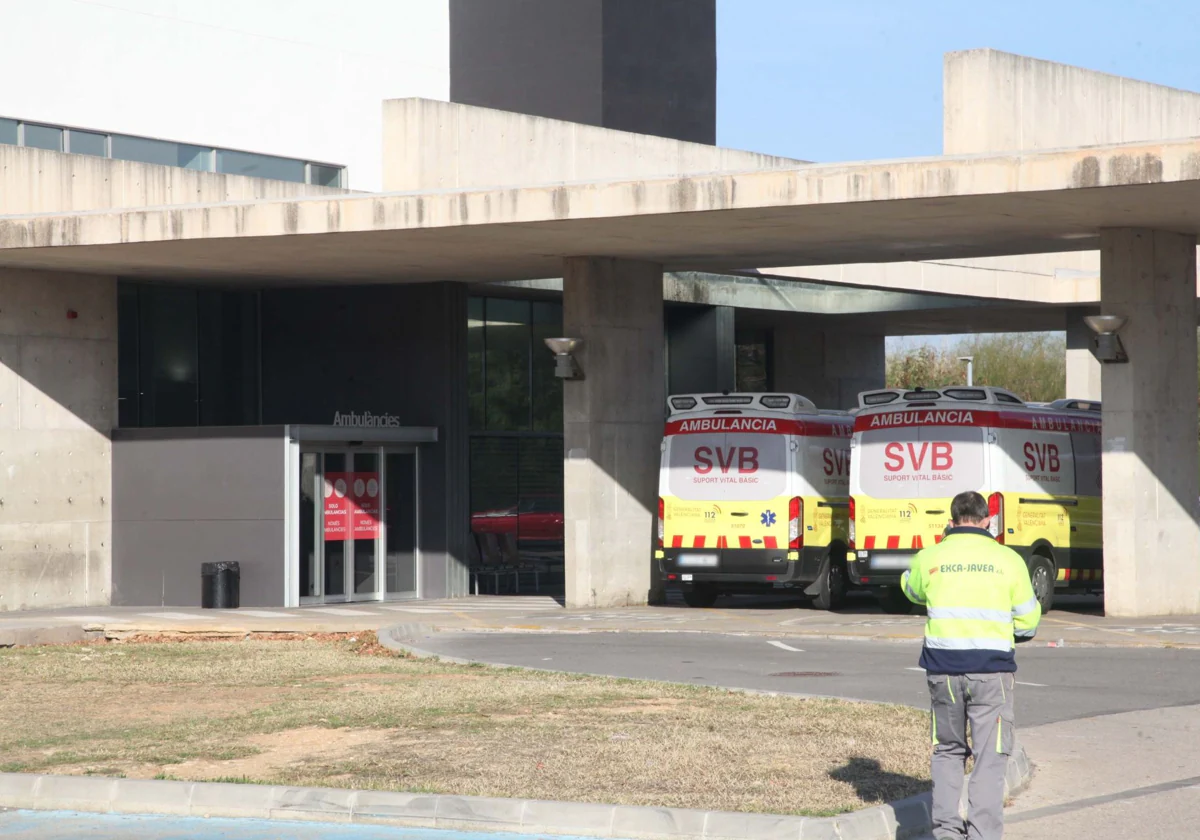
{"x": 283, "y": 752}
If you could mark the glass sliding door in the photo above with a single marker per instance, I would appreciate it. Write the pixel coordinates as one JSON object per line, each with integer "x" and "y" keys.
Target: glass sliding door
{"x": 364, "y": 486}
{"x": 336, "y": 528}
{"x": 358, "y": 536}
{"x": 400, "y": 525}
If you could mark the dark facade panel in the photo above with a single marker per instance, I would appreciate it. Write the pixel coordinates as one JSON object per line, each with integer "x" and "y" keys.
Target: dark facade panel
{"x": 660, "y": 68}
{"x": 186, "y": 497}
{"x": 398, "y": 350}
{"x": 648, "y": 66}
{"x": 540, "y": 57}
{"x": 700, "y": 349}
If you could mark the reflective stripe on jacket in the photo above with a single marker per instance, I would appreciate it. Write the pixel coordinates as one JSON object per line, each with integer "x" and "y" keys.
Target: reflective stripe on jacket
{"x": 978, "y": 596}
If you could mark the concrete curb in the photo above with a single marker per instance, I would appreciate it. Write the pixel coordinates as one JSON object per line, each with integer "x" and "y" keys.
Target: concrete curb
{"x": 899, "y": 817}
{"x": 92, "y": 794}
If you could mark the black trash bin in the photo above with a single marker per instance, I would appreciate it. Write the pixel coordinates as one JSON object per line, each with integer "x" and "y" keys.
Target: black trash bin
{"x": 220, "y": 585}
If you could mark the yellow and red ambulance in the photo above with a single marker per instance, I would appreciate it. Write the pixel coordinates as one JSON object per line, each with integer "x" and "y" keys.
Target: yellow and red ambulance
{"x": 1038, "y": 467}
{"x": 753, "y": 497}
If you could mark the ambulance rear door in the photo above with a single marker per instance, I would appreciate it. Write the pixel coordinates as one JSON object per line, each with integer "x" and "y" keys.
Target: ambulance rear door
{"x": 726, "y": 487}
{"x": 1037, "y": 480}
{"x": 909, "y": 474}
{"x": 824, "y": 479}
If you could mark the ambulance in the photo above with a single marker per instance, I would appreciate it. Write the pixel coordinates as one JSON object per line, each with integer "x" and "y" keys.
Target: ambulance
{"x": 1037, "y": 466}
{"x": 753, "y": 497}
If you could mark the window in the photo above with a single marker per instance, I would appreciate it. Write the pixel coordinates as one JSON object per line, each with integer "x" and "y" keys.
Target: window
{"x": 128, "y": 353}
{"x": 87, "y": 143}
{"x": 506, "y": 364}
{"x": 515, "y": 411}
{"x": 145, "y": 150}
{"x": 325, "y": 176}
{"x": 167, "y": 153}
{"x": 753, "y": 363}
{"x": 187, "y": 357}
{"x": 475, "y": 346}
{"x": 547, "y": 388}
{"x": 228, "y": 358}
{"x": 260, "y": 166}
{"x": 167, "y": 363}
{"x": 44, "y": 137}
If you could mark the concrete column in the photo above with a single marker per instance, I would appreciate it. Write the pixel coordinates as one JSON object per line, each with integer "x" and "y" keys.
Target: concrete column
{"x": 1083, "y": 371}
{"x": 1151, "y": 462}
{"x": 830, "y": 367}
{"x": 58, "y": 405}
{"x": 613, "y": 424}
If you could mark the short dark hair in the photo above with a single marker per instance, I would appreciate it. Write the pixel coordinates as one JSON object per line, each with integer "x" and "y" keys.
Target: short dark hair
{"x": 968, "y": 507}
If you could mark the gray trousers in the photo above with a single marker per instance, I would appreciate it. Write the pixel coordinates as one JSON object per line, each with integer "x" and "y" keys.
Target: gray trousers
{"x": 985, "y": 701}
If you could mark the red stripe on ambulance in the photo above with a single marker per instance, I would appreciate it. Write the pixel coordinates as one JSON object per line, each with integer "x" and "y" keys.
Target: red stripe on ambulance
{"x": 1031, "y": 420}
{"x": 760, "y": 425}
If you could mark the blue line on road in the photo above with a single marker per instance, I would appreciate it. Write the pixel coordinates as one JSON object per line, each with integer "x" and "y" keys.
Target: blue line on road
{"x": 70, "y": 825}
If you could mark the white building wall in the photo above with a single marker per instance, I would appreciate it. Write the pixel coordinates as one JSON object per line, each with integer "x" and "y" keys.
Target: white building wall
{"x": 298, "y": 78}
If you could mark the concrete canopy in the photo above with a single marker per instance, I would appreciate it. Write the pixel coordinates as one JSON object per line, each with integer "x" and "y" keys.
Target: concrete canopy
{"x": 874, "y": 211}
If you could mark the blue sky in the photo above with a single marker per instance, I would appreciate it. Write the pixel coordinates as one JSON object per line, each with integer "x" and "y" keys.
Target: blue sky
{"x": 854, "y": 79}
{"x": 859, "y": 79}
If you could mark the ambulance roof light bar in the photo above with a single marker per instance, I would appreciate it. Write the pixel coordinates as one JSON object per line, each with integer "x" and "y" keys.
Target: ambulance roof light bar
{"x": 770, "y": 402}
{"x": 922, "y": 395}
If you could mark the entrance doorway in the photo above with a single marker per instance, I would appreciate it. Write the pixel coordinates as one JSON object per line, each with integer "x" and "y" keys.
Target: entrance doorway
{"x": 358, "y": 512}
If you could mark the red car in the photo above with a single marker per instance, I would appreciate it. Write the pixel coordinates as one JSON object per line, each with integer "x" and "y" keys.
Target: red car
{"x": 537, "y": 519}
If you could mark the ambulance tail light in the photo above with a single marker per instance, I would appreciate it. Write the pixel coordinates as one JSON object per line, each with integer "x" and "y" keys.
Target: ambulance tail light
{"x": 662, "y": 525}
{"x": 850, "y": 535}
{"x": 996, "y": 512}
{"x": 796, "y": 523}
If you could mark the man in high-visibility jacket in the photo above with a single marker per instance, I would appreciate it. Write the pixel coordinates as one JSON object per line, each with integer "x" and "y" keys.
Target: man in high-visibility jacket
{"x": 980, "y": 602}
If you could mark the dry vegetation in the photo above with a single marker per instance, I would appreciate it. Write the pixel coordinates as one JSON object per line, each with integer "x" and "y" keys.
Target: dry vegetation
{"x": 345, "y": 713}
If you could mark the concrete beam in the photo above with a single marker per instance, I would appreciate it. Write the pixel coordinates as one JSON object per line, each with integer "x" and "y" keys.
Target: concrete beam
{"x": 880, "y": 211}
{"x": 37, "y": 181}
{"x": 431, "y": 145}
{"x": 1151, "y": 461}
{"x": 613, "y": 424}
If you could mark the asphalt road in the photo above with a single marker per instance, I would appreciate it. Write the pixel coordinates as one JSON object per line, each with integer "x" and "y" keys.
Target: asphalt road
{"x": 1054, "y": 684}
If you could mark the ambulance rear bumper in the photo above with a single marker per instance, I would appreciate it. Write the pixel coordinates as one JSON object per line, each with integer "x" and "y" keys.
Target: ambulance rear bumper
{"x": 740, "y": 569}
{"x": 878, "y": 567}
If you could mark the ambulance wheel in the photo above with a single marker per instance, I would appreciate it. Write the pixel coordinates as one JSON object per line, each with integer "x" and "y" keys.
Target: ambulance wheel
{"x": 700, "y": 597}
{"x": 831, "y": 590}
{"x": 1041, "y": 576}
{"x": 894, "y": 602}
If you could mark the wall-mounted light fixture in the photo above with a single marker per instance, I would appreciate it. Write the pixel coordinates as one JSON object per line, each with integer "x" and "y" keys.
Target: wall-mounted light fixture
{"x": 1106, "y": 346}
{"x": 565, "y": 366}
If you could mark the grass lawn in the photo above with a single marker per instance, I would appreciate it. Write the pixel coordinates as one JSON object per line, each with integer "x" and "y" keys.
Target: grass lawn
{"x": 340, "y": 711}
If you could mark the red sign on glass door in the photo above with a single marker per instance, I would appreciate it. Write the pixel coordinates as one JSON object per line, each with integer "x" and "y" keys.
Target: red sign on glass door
{"x": 338, "y": 506}
{"x": 366, "y": 505}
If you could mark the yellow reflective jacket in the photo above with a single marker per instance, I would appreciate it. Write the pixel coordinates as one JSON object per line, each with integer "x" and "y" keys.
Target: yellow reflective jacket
{"x": 979, "y": 599}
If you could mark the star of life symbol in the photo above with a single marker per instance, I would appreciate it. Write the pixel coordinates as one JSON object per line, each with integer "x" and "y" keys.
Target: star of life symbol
{"x": 768, "y": 519}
